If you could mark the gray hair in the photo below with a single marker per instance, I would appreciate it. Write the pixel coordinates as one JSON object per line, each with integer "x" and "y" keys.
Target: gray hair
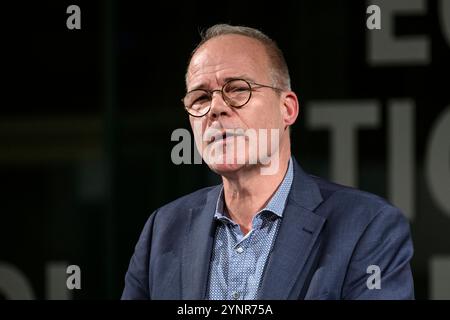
{"x": 278, "y": 72}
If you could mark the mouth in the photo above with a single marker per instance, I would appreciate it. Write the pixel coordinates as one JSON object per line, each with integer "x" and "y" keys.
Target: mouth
{"x": 223, "y": 135}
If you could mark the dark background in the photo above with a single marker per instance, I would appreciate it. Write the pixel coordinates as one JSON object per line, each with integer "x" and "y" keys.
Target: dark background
{"x": 87, "y": 115}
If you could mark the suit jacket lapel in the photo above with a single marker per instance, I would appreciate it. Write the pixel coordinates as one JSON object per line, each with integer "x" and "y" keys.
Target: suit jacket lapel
{"x": 296, "y": 240}
{"x": 198, "y": 248}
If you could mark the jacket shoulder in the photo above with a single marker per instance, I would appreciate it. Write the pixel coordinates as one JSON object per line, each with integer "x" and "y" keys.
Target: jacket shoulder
{"x": 350, "y": 201}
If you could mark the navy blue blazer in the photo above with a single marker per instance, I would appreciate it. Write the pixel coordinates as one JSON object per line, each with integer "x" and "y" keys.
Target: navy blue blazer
{"x": 328, "y": 238}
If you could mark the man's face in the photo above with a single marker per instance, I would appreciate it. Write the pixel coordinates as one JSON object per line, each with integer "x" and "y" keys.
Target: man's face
{"x": 219, "y": 59}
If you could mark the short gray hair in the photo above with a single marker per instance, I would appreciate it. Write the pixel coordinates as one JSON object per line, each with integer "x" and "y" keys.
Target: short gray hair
{"x": 278, "y": 72}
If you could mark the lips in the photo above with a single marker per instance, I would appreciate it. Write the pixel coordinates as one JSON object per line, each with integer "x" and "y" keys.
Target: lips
{"x": 217, "y": 137}
{"x": 212, "y": 136}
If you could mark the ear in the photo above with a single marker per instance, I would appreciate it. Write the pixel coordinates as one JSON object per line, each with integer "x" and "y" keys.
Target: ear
{"x": 290, "y": 108}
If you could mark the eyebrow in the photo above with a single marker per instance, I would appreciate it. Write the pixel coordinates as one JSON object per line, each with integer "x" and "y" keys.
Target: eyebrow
{"x": 241, "y": 77}
{"x": 203, "y": 86}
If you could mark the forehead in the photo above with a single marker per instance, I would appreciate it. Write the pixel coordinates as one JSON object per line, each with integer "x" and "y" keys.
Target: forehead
{"x": 228, "y": 56}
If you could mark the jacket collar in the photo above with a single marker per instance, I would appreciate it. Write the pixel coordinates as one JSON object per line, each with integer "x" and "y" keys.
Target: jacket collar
{"x": 296, "y": 242}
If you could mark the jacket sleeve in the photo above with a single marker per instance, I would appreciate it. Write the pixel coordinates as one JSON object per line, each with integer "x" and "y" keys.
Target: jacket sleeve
{"x": 380, "y": 263}
{"x": 137, "y": 276}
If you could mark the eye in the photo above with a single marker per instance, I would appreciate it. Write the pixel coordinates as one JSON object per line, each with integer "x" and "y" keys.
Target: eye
{"x": 237, "y": 86}
{"x": 240, "y": 89}
{"x": 196, "y": 98}
{"x": 201, "y": 98}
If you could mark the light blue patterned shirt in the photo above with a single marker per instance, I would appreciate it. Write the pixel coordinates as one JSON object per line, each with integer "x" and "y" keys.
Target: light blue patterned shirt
{"x": 238, "y": 261}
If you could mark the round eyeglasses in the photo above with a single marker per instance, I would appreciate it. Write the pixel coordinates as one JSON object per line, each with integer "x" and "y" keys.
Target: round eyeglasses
{"x": 236, "y": 93}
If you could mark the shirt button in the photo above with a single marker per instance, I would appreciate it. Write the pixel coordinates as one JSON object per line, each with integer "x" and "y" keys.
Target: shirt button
{"x": 235, "y": 295}
{"x": 240, "y": 250}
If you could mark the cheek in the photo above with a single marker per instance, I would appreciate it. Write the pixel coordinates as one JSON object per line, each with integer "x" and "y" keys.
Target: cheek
{"x": 198, "y": 126}
{"x": 265, "y": 116}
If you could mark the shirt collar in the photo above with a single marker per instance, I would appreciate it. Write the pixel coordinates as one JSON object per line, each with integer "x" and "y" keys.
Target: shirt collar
{"x": 275, "y": 205}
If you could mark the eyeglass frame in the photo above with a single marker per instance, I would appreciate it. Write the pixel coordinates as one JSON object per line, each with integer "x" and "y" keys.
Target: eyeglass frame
{"x": 210, "y": 94}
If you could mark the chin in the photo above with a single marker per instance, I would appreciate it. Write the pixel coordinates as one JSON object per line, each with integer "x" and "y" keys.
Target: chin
{"x": 221, "y": 164}
{"x": 225, "y": 168}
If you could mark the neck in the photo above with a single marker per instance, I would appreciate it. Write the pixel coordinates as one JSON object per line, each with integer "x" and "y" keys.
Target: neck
{"x": 248, "y": 191}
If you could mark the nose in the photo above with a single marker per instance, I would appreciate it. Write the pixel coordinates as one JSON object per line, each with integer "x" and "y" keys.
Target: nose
{"x": 218, "y": 106}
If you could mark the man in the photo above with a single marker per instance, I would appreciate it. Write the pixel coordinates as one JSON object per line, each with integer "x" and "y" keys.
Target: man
{"x": 274, "y": 234}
